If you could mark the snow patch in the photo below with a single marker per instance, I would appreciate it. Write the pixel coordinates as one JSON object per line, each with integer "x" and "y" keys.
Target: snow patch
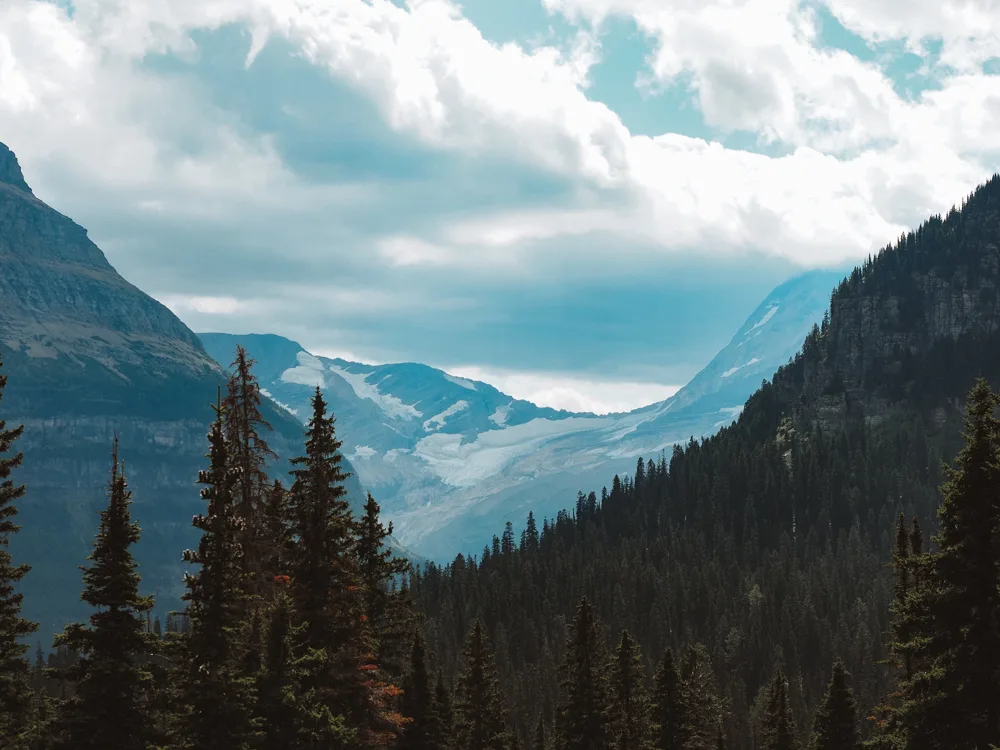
{"x": 767, "y": 316}
{"x": 467, "y": 464}
{"x": 282, "y": 404}
{"x": 309, "y": 371}
{"x": 437, "y": 421}
{"x": 392, "y": 406}
{"x": 460, "y": 381}
{"x": 733, "y": 370}
{"x": 499, "y": 417}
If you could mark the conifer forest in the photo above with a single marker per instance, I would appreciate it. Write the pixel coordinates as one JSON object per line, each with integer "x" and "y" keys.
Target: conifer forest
{"x": 798, "y": 581}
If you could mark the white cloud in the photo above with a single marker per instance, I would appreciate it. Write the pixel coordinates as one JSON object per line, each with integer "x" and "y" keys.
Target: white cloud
{"x": 969, "y": 30}
{"x": 181, "y": 304}
{"x": 568, "y": 392}
{"x": 863, "y": 163}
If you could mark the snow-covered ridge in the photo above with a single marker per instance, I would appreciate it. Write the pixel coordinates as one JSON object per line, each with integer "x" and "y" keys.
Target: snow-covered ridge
{"x": 388, "y": 403}
{"x": 438, "y": 420}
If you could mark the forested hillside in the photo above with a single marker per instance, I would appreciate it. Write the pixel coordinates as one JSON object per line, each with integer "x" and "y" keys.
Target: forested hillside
{"x": 768, "y": 544}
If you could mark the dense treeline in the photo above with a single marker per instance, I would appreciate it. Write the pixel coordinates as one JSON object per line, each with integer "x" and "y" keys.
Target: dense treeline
{"x": 650, "y": 617}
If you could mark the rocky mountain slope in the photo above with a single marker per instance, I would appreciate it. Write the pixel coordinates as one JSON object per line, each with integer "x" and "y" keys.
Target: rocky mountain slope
{"x": 88, "y": 354}
{"x": 451, "y": 459}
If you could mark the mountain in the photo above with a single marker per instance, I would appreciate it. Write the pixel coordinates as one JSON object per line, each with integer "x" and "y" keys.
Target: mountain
{"x": 451, "y": 459}
{"x": 88, "y": 355}
{"x": 771, "y": 543}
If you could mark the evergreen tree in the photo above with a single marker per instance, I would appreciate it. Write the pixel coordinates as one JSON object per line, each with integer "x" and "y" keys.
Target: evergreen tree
{"x": 836, "y": 722}
{"x": 387, "y": 609}
{"x": 631, "y": 707}
{"x": 953, "y": 623}
{"x": 248, "y": 455}
{"x": 703, "y": 709}
{"x": 423, "y": 730}
{"x": 111, "y": 708}
{"x": 479, "y": 710}
{"x": 442, "y": 705}
{"x": 669, "y": 711}
{"x": 540, "y": 736}
{"x": 213, "y": 696}
{"x": 323, "y": 569}
{"x": 779, "y": 727}
{"x": 291, "y": 715}
{"x": 15, "y": 690}
{"x": 275, "y": 531}
{"x": 585, "y": 721}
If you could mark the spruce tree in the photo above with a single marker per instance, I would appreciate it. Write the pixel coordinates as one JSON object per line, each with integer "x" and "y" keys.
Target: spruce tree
{"x": 423, "y": 730}
{"x": 111, "y": 708}
{"x": 631, "y": 707}
{"x": 669, "y": 711}
{"x": 951, "y": 624}
{"x": 213, "y": 695}
{"x": 387, "y": 609}
{"x": 479, "y": 710}
{"x": 540, "y": 736}
{"x": 442, "y": 704}
{"x": 703, "y": 709}
{"x": 322, "y": 565}
{"x": 15, "y": 689}
{"x": 836, "y": 722}
{"x": 584, "y": 719}
{"x": 779, "y": 727}
{"x": 249, "y": 455}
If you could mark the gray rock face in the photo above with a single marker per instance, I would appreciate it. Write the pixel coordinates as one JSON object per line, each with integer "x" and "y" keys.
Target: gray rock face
{"x": 87, "y": 355}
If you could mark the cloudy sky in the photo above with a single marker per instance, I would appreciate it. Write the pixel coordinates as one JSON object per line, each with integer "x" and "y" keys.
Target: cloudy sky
{"x": 579, "y": 200}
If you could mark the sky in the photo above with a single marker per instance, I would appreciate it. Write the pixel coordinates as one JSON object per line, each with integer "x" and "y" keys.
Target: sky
{"x": 579, "y": 201}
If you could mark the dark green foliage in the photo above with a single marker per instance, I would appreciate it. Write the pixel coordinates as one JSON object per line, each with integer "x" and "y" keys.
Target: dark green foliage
{"x": 949, "y": 626}
{"x": 15, "y": 691}
{"x": 387, "y": 609}
{"x": 112, "y": 691}
{"x": 424, "y": 730}
{"x": 585, "y": 717}
{"x": 249, "y": 454}
{"x": 779, "y": 726}
{"x": 539, "y": 743}
{"x": 630, "y": 701}
{"x": 442, "y": 704}
{"x": 670, "y": 714}
{"x": 214, "y": 700}
{"x": 479, "y": 709}
{"x": 837, "y": 720}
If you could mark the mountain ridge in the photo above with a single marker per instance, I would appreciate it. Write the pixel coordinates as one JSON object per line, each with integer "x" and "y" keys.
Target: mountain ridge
{"x": 450, "y": 461}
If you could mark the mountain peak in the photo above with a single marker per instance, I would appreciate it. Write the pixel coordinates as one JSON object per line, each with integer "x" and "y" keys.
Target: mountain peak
{"x": 10, "y": 170}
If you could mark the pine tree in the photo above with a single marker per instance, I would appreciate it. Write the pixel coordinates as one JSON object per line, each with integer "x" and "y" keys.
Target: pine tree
{"x": 631, "y": 707}
{"x": 322, "y": 564}
{"x": 952, "y": 622}
{"x": 15, "y": 691}
{"x": 584, "y": 720}
{"x": 540, "y": 736}
{"x": 291, "y": 715}
{"x": 112, "y": 705}
{"x": 249, "y": 455}
{"x": 275, "y": 531}
{"x": 423, "y": 730}
{"x": 387, "y": 610}
{"x": 703, "y": 709}
{"x": 836, "y": 722}
{"x": 479, "y": 710}
{"x": 779, "y": 727}
{"x": 213, "y": 696}
{"x": 669, "y": 711}
{"x": 442, "y": 705}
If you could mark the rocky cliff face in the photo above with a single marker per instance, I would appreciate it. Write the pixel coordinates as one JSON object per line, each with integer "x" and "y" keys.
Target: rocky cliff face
{"x": 88, "y": 355}
{"x": 925, "y": 311}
